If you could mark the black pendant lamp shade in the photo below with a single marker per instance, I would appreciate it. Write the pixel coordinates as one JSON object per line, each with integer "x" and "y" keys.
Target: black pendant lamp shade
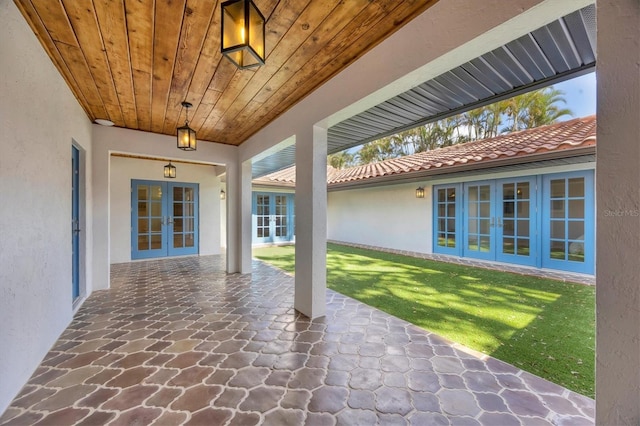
{"x": 186, "y": 135}
{"x": 243, "y": 33}
{"x": 170, "y": 171}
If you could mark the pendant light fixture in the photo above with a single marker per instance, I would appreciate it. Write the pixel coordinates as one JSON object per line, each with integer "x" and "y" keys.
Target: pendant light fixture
{"x": 243, "y": 33}
{"x": 170, "y": 171}
{"x": 186, "y": 135}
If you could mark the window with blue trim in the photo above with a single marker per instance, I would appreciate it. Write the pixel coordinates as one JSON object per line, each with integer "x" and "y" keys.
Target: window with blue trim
{"x": 446, "y": 219}
{"x": 273, "y": 217}
{"x": 499, "y": 220}
{"x": 568, "y": 222}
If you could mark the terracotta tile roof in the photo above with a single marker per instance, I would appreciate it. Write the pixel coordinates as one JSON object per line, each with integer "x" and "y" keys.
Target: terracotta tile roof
{"x": 286, "y": 177}
{"x": 526, "y": 144}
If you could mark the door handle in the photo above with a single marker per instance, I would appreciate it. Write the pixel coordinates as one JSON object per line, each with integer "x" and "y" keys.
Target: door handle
{"x": 499, "y": 222}
{"x": 492, "y": 223}
{"x": 75, "y": 227}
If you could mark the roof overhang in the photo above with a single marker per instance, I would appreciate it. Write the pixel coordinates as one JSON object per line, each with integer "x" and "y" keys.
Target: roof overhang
{"x": 472, "y": 166}
{"x": 562, "y": 49}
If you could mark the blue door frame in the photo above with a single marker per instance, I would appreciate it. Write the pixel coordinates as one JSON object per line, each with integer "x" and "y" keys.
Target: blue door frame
{"x": 516, "y": 221}
{"x": 568, "y": 231}
{"x": 75, "y": 222}
{"x": 547, "y": 221}
{"x": 164, "y": 219}
{"x": 447, "y": 219}
{"x": 273, "y": 217}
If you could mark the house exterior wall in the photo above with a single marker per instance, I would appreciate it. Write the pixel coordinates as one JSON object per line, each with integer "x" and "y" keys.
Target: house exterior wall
{"x": 385, "y": 216}
{"x": 108, "y": 140}
{"x": 123, "y": 170}
{"x": 40, "y": 119}
{"x": 391, "y": 217}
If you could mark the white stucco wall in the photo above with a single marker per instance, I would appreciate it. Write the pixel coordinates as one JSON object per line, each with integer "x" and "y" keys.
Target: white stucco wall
{"x": 386, "y": 216}
{"x": 39, "y": 119}
{"x": 124, "y": 169}
{"x": 618, "y": 214}
{"x": 108, "y": 140}
{"x": 390, "y": 216}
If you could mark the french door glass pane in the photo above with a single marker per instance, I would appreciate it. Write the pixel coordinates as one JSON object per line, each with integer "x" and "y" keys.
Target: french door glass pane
{"x": 576, "y": 187}
{"x": 567, "y": 221}
{"x": 156, "y": 225}
{"x": 156, "y": 209}
{"x": 143, "y": 192}
{"x": 263, "y": 207}
{"x": 183, "y": 217}
{"x": 446, "y": 217}
{"x": 479, "y": 218}
{"x": 281, "y": 216}
{"x": 149, "y": 217}
{"x": 515, "y": 220}
{"x": 143, "y": 210}
{"x": 177, "y": 193}
{"x": 143, "y": 242}
{"x": 156, "y": 192}
{"x": 156, "y": 241}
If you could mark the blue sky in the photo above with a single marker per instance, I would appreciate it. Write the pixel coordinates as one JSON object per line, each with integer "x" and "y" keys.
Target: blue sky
{"x": 580, "y": 94}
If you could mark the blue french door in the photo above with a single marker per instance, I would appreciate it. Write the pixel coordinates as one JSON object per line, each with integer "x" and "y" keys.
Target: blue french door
{"x": 515, "y": 221}
{"x": 164, "y": 219}
{"x": 75, "y": 222}
{"x": 568, "y": 231}
{"x": 273, "y": 217}
{"x": 479, "y": 232}
{"x": 499, "y": 220}
{"x": 447, "y": 218}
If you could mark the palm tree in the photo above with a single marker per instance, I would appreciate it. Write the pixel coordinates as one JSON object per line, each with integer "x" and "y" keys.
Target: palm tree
{"x": 341, "y": 160}
{"x": 537, "y": 108}
{"x": 533, "y": 109}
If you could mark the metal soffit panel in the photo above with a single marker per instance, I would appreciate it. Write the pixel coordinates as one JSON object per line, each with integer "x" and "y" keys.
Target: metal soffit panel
{"x": 560, "y": 50}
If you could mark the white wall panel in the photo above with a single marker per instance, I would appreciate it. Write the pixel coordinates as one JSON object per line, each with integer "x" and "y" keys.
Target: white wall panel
{"x": 387, "y": 216}
{"x": 39, "y": 119}
{"x": 123, "y": 170}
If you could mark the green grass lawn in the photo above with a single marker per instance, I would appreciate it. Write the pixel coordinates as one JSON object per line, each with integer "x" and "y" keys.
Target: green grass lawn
{"x": 543, "y": 326}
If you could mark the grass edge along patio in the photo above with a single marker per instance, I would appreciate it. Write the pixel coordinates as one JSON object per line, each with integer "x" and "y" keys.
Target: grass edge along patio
{"x": 543, "y": 326}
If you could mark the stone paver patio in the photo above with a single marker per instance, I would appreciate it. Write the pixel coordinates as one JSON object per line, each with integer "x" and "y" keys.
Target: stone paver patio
{"x": 178, "y": 341}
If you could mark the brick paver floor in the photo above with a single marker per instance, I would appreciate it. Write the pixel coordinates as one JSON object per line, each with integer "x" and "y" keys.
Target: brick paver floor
{"x": 178, "y": 341}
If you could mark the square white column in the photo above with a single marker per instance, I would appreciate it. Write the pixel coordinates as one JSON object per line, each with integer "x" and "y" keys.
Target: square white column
{"x": 618, "y": 214}
{"x": 239, "y": 218}
{"x": 245, "y": 218}
{"x": 311, "y": 222}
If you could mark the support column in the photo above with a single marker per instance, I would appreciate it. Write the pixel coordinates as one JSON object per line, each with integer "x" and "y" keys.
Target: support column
{"x": 239, "y": 218}
{"x": 245, "y": 218}
{"x": 311, "y": 222}
{"x": 618, "y": 214}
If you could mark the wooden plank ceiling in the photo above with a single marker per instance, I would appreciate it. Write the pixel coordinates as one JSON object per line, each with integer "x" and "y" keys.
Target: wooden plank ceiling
{"x": 134, "y": 61}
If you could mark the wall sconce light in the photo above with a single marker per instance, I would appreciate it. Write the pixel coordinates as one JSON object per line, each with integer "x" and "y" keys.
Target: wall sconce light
{"x": 243, "y": 33}
{"x": 170, "y": 171}
{"x": 223, "y": 195}
{"x": 419, "y": 192}
{"x": 186, "y": 135}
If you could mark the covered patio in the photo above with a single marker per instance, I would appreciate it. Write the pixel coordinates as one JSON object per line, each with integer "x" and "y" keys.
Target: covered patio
{"x": 67, "y": 63}
{"x": 180, "y": 341}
